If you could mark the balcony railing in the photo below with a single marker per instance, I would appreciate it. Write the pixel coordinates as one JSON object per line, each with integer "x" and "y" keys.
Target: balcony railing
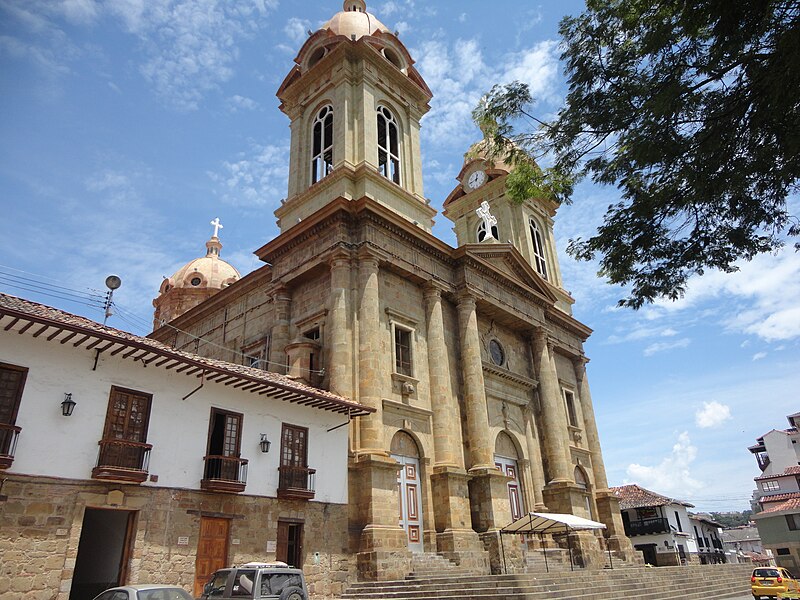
{"x": 717, "y": 544}
{"x": 224, "y": 474}
{"x": 296, "y": 483}
{"x": 8, "y": 444}
{"x": 122, "y": 460}
{"x": 647, "y": 526}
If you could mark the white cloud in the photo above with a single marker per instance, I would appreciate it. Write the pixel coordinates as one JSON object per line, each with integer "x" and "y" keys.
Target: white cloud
{"x": 642, "y": 333}
{"x": 759, "y": 356}
{"x": 671, "y": 476}
{"x": 257, "y": 178}
{"x": 297, "y": 30}
{"x": 79, "y": 11}
{"x": 402, "y": 28}
{"x": 238, "y": 102}
{"x": 664, "y": 346}
{"x": 712, "y": 414}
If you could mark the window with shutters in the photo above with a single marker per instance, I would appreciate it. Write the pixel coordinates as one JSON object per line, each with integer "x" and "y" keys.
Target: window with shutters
{"x": 124, "y": 451}
{"x": 295, "y": 480}
{"x": 225, "y": 470}
{"x": 12, "y": 382}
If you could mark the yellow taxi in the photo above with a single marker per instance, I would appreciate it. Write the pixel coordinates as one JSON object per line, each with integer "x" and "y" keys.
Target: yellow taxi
{"x": 773, "y": 582}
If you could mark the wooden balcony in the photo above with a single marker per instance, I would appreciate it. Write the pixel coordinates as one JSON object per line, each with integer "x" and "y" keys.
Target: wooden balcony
{"x": 122, "y": 460}
{"x": 224, "y": 474}
{"x": 8, "y": 444}
{"x": 296, "y": 483}
{"x": 647, "y": 526}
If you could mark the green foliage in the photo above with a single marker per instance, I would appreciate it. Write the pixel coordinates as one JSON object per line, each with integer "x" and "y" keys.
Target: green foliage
{"x": 692, "y": 111}
{"x": 732, "y": 519}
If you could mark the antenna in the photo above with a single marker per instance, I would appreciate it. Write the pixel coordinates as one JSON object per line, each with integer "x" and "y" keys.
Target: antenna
{"x": 112, "y": 283}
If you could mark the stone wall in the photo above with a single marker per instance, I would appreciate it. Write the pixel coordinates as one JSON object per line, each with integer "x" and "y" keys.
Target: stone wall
{"x": 41, "y": 521}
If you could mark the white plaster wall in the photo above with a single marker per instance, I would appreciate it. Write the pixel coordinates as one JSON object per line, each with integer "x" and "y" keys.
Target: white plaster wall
{"x": 57, "y": 446}
{"x": 782, "y": 453}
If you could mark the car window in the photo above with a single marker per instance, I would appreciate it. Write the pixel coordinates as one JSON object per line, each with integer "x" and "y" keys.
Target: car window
{"x": 113, "y": 595}
{"x": 163, "y": 594}
{"x": 788, "y": 574}
{"x": 243, "y": 583}
{"x": 766, "y": 573}
{"x": 216, "y": 587}
{"x": 274, "y": 583}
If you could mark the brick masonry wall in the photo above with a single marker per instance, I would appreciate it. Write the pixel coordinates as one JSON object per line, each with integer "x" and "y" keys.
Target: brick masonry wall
{"x": 41, "y": 521}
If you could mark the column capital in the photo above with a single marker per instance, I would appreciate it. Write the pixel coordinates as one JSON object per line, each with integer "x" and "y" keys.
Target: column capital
{"x": 367, "y": 255}
{"x": 579, "y": 363}
{"x": 339, "y": 258}
{"x": 466, "y": 299}
{"x": 282, "y": 293}
{"x": 432, "y": 290}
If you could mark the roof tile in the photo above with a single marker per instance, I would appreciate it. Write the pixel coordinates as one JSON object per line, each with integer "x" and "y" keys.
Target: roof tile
{"x": 634, "y": 496}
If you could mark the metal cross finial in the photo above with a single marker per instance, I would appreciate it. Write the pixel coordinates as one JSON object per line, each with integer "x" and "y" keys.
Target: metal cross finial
{"x": 217, "y": 226}
{"x": 489, "y": 220}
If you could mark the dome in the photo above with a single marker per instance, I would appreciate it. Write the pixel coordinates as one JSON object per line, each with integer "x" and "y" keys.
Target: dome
{"x": 354, "y": 21}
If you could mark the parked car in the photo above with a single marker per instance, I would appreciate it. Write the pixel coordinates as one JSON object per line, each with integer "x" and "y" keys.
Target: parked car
{"x": 257, "y": 581}
{"x": 145, "y": 592}
{"x": 772, "y": 582}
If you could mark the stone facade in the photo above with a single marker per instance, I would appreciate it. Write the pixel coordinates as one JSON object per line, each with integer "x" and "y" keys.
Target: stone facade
{"x": 41, "y": 521}
{"x": 470, "y": 352}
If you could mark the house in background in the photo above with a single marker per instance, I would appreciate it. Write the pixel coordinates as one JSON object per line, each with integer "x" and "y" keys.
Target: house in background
{"x": 124, "y": 460}
{"x": 777, "y": 497}
{"x": 708, "y": 535}
{"x": 744, "y": 543}
{"x": 658, "y": 526}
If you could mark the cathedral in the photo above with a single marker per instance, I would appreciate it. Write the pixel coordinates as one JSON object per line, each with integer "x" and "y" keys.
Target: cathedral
{"x": 469, "y": 357}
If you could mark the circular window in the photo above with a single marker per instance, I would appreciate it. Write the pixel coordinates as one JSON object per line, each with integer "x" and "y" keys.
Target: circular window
{"x": 393, "y": 58}
{"x": 496, "y": 352}
{"x": 196, "y": 281}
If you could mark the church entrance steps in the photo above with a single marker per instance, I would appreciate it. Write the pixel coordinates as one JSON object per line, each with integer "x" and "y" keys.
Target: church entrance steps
{"x": 695, "y": 582}
{"x": 426, "y": 565}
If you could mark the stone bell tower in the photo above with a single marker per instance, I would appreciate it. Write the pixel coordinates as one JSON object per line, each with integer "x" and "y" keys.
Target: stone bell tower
{"x": 355, "y": 101}
{"x": 527, "y": 226}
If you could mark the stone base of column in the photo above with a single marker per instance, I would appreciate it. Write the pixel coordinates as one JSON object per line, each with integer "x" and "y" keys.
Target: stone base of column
{"x": 587, "y": 549}
{"x": 608, "y": 512}
{"x": 464, "y": 548}
{"x": 563, "y": 497}
{"x": 450, "y": 490}
{"x": 384, "y": 554}
{"x": 488, "y": 494}
{"x": 382, "y": 544}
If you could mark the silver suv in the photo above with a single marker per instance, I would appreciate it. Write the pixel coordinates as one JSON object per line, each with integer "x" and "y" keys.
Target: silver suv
{"x": 257, "y": 581}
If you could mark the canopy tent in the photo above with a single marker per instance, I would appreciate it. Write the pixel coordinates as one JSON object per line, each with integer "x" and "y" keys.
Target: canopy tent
{"x": 552, "y": 523}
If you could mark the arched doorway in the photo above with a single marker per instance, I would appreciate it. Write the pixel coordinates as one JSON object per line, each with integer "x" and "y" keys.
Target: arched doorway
{"x": 505, "y": 459}
{"x": 409, "y": 487}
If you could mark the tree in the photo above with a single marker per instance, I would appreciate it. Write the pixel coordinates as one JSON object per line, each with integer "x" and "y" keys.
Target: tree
{"x": 692, "y": 109}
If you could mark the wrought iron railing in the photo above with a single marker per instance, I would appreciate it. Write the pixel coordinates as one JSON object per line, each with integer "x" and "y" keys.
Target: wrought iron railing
{"x": 296, "y": 481}
{"x": 8, "y": 444}
{"x": 230, "y": 469}
{"x": 647, "y": 526}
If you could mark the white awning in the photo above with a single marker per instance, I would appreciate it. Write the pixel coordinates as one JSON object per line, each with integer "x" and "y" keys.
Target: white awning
{"x": 550, "y": 523}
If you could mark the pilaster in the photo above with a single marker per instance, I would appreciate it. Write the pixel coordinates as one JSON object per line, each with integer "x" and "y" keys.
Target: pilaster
{"x": 339, "y": 331}
{"x": 282, "y": 299}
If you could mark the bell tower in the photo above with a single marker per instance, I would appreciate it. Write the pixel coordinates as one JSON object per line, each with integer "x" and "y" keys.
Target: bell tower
{"x": 355, "y": 101}
{"x": 527, "y": 226}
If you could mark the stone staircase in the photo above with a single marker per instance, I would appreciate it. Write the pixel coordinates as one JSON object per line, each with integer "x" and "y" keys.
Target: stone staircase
{"x": 426, "y": 565}
{"x": 695, "y": 582}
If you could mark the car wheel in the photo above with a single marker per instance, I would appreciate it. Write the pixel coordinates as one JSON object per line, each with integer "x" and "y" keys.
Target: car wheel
{"x": 293, "y": 593}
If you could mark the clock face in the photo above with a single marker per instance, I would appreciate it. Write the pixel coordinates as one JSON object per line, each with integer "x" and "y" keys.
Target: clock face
{"x": 476, "y": 180}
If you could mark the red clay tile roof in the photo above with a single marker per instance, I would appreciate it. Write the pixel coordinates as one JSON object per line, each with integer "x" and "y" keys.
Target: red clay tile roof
{"x": 634, "y": 496}
{"x": 779, "y": 497}
{"x": 788, "y": 471}
{"x": 792, "y": 504}
{"x": 54, "y": 325}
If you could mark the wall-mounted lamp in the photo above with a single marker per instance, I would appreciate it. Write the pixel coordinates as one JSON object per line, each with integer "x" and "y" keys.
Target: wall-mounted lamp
{"x": 68, "y": 405}
{"x": 264, "y": 443}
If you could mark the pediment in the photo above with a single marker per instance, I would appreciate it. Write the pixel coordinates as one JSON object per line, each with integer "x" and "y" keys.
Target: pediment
{"x": 506, "y": 260}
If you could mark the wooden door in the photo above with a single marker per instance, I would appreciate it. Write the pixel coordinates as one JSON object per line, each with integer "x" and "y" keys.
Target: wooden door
{"x": 212, "y": 550}
{"x": 409, "y": 488}
{"x": 509, "y": 468}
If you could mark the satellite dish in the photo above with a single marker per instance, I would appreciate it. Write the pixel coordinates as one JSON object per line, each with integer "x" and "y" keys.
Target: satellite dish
{"x": 113, "y": 282}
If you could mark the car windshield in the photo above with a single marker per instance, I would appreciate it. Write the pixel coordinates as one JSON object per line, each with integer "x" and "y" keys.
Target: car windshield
{"x": 766, "y": 573}
{"x": 163, "y": 594}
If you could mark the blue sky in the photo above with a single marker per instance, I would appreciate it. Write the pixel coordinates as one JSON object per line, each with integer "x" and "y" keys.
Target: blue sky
{"x": 128, "y": 125}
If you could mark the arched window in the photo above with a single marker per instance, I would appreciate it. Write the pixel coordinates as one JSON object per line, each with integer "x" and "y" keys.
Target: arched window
{"x": 538, "y": 249}
{"x": 481, "y": 234}
{"x": 388, "y": 145}
{"x": 322, "y": 144}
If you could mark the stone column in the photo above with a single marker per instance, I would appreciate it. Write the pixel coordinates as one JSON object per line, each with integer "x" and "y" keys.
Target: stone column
{"x": 445, "y": 421}
{"x": 590, "y": 425}
{"x": 340, "y": 364}
{"x": 481, "y": 451}
{"x": 369, "y": 355}
{"x": 535, "y": 454}
{"x": 554, "y": 417}
{"x": 282, "y": 299}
